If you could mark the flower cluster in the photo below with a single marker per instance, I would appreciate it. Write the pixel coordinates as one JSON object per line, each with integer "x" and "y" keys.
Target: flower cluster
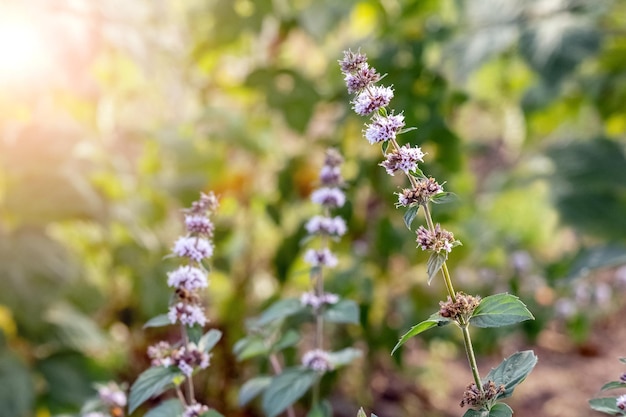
{"x": 436, "y": 240}
{"x": 318, "y": 360}
{"x": 186, "y": 358}
{"x": 195, "y": 410}
{"x": 421, "y": 193}
{"x": 189, "y": 279}
{"x": 621, "y": 402}
{"x": 462, "y": 306}
{"x": 475, "y": 398}
{"x": 317, "y": 301}
{"x": 112, "y": 398}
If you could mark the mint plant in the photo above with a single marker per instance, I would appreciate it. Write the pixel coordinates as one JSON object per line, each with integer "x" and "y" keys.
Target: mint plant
{"x": 482, "y": 395}
{"x": 277, "y": 328}
{"x": 175, "y": 363}
{"x": 615, "y": 405}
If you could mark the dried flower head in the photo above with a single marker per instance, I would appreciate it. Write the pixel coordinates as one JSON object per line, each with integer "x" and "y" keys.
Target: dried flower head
{"x": 464, "y": 306}
{"x": 473, "y": 397}
{"x": 437, "y": 240}
{"x": 421, "y": 194}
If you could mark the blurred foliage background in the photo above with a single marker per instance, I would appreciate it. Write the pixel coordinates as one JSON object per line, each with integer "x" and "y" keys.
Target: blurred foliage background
{"x": 114, "y": 115}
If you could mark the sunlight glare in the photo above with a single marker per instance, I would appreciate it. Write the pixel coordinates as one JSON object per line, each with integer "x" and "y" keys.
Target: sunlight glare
{"x": 22, "y": 50}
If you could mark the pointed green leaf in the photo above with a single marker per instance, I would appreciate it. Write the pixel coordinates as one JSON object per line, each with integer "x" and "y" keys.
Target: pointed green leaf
{"x": 512, "y": 371}
{"x": 195, "y": 333}
{"x": 168, "y": 408}
{"x": 209, "y": 340}
{"x": 345, "y": 311}
{"x": 622, "y": 360}
{"x": 444, "y": 197}
{"x": 158, "y": 321}
{"x": 287, "y": 388}
{"x": 253, "y": 387}
{"x": 385, "y": 146}
{"x": 408, "y": 129}
{"x": 434, "y": 264}
{"x": 606, "y": 405}
{"x": 280, "y": 310}
{"x": 410, "y": 215}
{"x": 417, "y": 173}
{"x": 433, "y": 320}
{"x": 152, "y": 382}
{"x": 500, "y": 310}
{"x": 343, "y": 357}
{"x": 500, "y": 410}
{"x": 613, "y": 385}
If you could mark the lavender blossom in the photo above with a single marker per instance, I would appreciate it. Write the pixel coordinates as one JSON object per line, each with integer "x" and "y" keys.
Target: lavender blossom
{"x": 335, "y": 226}
{"x": 195, "y": 410}
{"x": 194, "y": 248}
{"x": 187, "y": 314}
{"x": 372, "y": 99}
{"x": 437, "y": 240}
{"x": 315, "y": 301}
{"x": 329, "y": 197}
{"x": 384, "y": 128}
{"x": 321, "y": 257}
{"x": 318, "y": 360}
{"x": 187, "y": 277}
{"x": 404, "y": 159}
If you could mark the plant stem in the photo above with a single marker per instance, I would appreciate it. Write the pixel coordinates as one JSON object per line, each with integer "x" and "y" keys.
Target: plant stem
{"x": 471, "y": 358}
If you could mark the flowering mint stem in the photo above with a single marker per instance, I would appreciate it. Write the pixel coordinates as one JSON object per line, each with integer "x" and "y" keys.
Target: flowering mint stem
{"x": 471, "y": 358}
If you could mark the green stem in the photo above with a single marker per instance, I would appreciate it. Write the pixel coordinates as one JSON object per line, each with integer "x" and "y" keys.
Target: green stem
{"x": 469, "y": 350}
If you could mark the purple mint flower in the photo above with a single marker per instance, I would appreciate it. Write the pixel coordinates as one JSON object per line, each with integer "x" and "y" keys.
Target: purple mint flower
{"x": 621, "y": 402}
{"x": 329, "y": 197}
{"x": 322, "y": 257}
{"x": 318, "y": 360}
{"x": 404, "y": 159}
{"x": 185, "y": 368}
{"x": 361, "y": 78}
{"x": 384, "y": 128}
{"x": 311, "y": 299}
{"x": 112, "y": 395}
{"x": 187, "y": 314}
{"x": 187, "y": 277}
{"x": 330, "y": 176}
{"x": 326, "y": 225}
{"x": 195, "y": 248}
{"x": 372, "y": 99}
{"x": 352, "y": 61}
{"x": 160, "y": 354}
{"x": 199, "y": 224}
{"x": 195, "y": 410}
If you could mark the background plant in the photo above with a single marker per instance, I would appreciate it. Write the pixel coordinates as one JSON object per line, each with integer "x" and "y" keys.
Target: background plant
{"x": 137, "y": 107}
{"x": 277, "y": 328}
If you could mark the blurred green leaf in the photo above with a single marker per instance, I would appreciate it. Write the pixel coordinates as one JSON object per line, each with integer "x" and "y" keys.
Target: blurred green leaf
{"x": 345, "y": 311}
{"x": 344, "y": 357}
{"x": 167, "y": 408}
{"x": 152, "y": 382}
{"x": 158, "y": 321}
{"x": 17, "y": 391}
{"x": 209, "y": 340}
{"x": 252, "y": 388}
{"x": 250, "y": 347}
{"x": 288, "y": 339}
{"x": 287, "y": 388}
{"x": 281, "y": 309}
{"x": 606, "y": 405}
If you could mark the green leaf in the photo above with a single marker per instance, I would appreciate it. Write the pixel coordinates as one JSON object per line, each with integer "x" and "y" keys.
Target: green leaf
{"x": 410, "y": 215}
{"x": 361, "y": 413}
{"x": 253, "y": 387}
{"x": 433, "y": 320}
{"x": 408, "y": 129}
{"x": 288, "y": 339}
{"x": 280, "y": 310}
{"x": 158, "y": 321}
{"x": 209, "y": 340}
{"x": 417, "y": 173}
{"x": 322, "y": 409}
{"x": 151, "y": 383}
{"x": 434, "y": 264}
{"x": 17, "y": 392}
{"x": 195, "y": 333}
{"x": 476, "y": 413}
{"x": 444, "y": 197}
{"x": 500, "y": 310}
{"x": 385, "y": 146}
{"x": 250, "y": 347}
{"x": 345, "y": 311}
{"x": 622, "y": 360}
{"x": 605, "y": 405}
{"x": 343, "y": 357}
{"x": 168, "y": 408}
{"x": 613, "y": 385}
{"x": 500, "y": 410}
{"x": 287, "y": 388}
{"x": 512, "y": 371}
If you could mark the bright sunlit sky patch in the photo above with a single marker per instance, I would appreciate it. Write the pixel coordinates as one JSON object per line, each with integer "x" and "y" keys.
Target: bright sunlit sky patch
{"x": 23, "y": 52}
